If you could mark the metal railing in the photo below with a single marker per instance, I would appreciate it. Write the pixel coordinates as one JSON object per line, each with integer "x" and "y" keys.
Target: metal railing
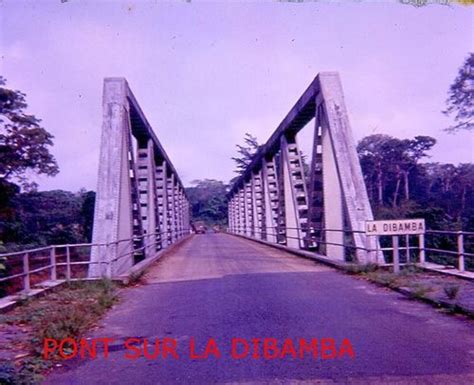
{"x": 459, "y": 252}
{"x": 35, "y": 267}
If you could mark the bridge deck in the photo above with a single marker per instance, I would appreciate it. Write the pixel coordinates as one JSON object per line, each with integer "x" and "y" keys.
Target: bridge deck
{"x": 220, "y": 286}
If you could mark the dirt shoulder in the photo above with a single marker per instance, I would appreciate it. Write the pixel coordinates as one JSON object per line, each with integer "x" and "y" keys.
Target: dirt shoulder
{"x": 69, "y": 311}
{"x": 454, "y": 294}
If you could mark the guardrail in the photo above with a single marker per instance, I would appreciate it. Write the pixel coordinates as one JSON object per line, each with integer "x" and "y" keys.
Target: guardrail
{"x": 29, "y": 268}
{"x": 414, "y": 248}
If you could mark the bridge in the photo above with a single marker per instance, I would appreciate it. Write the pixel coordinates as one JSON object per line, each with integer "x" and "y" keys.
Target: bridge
{"x": 262, "y": 301}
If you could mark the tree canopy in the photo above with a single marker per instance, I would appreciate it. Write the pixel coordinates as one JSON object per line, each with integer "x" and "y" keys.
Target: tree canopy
{"x": 24, "y": 149}
{"x": 39, "y": 218}
{"x": 460, "y": 101}
{"x": 24, "y": 144}
{"x": 390, "y": 163}
{"x": 245, "y": 152}
{"x": 208, "y": 201}
{"x": 401, "y": 186}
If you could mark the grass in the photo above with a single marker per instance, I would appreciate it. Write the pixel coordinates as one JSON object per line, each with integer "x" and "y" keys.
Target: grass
{"x": 136, "y": 278}
{"x": 360, "y": 269}
{"x": 419, "y": 284}
{"x": 67, "y": 312}
{"x": 405, "y": 278}
{"x": 410, "y": 269}
{"x": 420, "y": 291}
{"x": 451, "y": 291}
{"x": 385, "y": 278}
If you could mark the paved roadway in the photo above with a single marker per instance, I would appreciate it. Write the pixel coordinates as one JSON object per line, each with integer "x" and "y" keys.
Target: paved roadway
{"x": 220, "y": 286}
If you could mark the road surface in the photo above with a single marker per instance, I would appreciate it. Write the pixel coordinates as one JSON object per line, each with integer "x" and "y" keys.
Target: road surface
{"x": 220, "y": 287}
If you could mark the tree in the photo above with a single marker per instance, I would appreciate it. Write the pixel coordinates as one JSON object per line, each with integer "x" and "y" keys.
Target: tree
{"x": 87, "y": 212}
{"x": 460, "y": 102}
{"x": 24, "y": 144}
{"x": 412, "y": 151}
{"x": 442, "y": 194}
{"x": 389, "y": 163}
{"x": 208, "y": 201}
{"x": 41, "y": 218}
{"x": 463, "y": 187}
{"x": 246, "y": 153}
{"x": 373, "y": 153}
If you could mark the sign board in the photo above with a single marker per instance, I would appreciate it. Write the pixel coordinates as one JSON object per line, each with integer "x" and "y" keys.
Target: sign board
{"x": 395, "y": 227}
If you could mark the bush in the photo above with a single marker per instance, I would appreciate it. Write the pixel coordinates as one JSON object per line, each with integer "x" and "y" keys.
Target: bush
{"x": 451, "y": 291}
{"x": 420, "y": 291}
{"x": 67, "y": 312}
{"x": 136, "y": 278}
{"x": 386, "y": 279}
{"x": 361, "y": 269}
{"x": 30, "y": 372}
{"x": 3, "y": 273}
{"x": 409, "y": 269}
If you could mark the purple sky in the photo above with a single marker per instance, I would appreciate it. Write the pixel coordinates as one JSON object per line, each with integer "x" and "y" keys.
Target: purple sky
{"x": 206, "y": 73}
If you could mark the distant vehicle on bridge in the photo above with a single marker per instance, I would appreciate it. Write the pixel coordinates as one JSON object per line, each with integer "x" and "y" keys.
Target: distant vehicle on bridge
{"x": 199, "y": 227}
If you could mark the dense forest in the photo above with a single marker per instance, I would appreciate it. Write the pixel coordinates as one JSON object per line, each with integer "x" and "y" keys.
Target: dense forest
{"x": 39, "y": 218}
{"x": 399, "y": 185}
{"x": 401, "y": 182}
{"x": 208, "y": 201}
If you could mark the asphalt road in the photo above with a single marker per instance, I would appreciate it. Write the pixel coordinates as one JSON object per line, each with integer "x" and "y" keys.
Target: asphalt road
{"x": 222, "y": 287}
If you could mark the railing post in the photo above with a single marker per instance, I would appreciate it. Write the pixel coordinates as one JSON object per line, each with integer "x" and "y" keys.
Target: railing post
{"x": 109, "y": 258}
{"x": 377, "y": 251}
{"x": 461, "y": 251}
{"x": 26, "y": 271}
{"x": 68, "y": 264}
{"x": 52, "y": 262}
{"x": 407, "y": 248}
{"x": 421, "y": 247}
{"x": 396, "y": 255}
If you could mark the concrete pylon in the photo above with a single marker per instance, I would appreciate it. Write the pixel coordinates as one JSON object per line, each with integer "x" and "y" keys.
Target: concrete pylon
{"x": 318, "y": 210}
{"x": 345, "y": 170}
{"x": 131, "y": 209}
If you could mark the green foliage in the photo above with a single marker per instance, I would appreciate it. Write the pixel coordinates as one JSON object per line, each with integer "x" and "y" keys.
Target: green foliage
{"x": 67, "y": 312}
{"x": 409, "y": 270}
{"x": 48, "y": 217}
{"x": 4, "y": 271}
{"x": 136, "y": 278}
{"x": 87, "y": 213}
{"x": 420, "y": 291}
{"x": 460, "y": 102}
{"x": 360, "y": 269}
{"x": 208, "y": 201}
{"x": 400, "y": 186}
{"x": 31, "y": 369}
{"x": 24, "y": 144}
{"x": 71, "y": 312}
{"x": 249, "y": 149}
{"x": 33, "y": 218}
{"x": 384, "y": 278}
{"x": 246, "y": 153}
{"x": 390, "y": 164}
